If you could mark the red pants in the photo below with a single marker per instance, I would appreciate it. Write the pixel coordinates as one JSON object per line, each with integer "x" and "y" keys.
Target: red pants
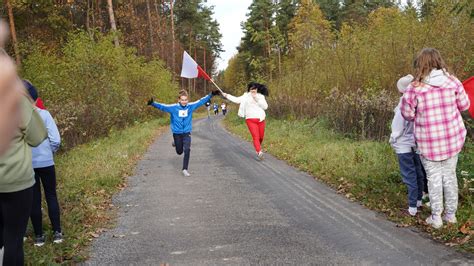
{"x": 257, "y": 129}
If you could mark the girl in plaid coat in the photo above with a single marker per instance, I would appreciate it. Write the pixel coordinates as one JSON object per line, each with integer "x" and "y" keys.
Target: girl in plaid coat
{"x": 434, "y": 101}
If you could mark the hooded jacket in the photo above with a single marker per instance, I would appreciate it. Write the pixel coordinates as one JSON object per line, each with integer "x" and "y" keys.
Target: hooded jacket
{"x": 250, "y": 107}
{"x": 402, "y": 138}
{"x": 43, "y": 154}
{"x": 435, "y": 105}
{"x": 16, "y": 171}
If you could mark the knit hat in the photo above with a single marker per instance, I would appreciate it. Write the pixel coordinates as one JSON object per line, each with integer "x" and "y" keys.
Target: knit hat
{"x": 403, "y": 83}
{"x": 31, "y": 89}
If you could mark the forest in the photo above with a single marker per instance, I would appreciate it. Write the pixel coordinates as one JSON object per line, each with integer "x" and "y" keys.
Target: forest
{"x": 340, "y": 60}
{"x": 95, "y": 62}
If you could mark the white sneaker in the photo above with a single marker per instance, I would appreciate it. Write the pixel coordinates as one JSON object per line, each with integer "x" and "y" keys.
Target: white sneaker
{"x": 412, "y": 211}
{"x": 186, "y": 173}
{"x": 435, "y": 221}
{"x": 260, "y": 155}
{"x": 450, "y": 218}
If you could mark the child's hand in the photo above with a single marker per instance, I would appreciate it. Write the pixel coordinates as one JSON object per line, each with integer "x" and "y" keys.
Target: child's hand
{"x": 150, "y": 101}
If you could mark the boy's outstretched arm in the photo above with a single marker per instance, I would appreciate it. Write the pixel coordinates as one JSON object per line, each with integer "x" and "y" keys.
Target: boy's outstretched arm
{"x": 203, "y": 100}
{"x": 163, "y": 107}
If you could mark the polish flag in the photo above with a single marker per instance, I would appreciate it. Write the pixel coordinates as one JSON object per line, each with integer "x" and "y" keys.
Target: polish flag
{"x": 191, "y": 69}
{"x": 469, "y": 88}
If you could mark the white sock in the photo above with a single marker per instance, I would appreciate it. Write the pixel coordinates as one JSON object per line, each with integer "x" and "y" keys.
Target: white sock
{"x": 419, "y": 203}
{"x": 412, "y": 210}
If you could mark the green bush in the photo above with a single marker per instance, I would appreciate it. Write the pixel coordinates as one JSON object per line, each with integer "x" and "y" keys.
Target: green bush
{"x": 92, "y": 87}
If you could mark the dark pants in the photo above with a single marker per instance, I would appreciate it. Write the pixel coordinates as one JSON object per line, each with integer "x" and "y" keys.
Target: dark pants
{"x": 224, "y": 111}
{"x": 15, "y": 208}
{"x": 47, "y": 177}
{"x": 412, "y": 173}
{"x": 183, "y": 143}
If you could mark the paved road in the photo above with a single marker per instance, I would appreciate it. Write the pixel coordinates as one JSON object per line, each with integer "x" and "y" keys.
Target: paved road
{"x": 236, "y": 210}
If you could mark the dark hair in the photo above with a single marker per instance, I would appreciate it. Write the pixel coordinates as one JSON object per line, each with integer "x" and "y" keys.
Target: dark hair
{"x": 262, "y": 89}
{"x": 251, "y": 85}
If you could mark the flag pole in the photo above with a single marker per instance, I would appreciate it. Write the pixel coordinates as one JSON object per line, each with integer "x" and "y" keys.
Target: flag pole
{"x": 217, "y": 86}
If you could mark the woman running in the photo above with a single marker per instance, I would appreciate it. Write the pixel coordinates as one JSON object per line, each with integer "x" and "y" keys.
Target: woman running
{"x": 252, "y": 108}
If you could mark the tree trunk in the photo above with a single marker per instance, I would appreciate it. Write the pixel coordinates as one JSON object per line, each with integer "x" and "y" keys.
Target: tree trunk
{"x": 190, "y": 49}
{"x": 88, "y": 23}
{"x": 150, "y": 30}
{"x": 13, "y": 32}
{"x": 205, "y": 80}
{"x": 173, "y": 53}
{"x": 195, "y": 80}
{"x": 113, "y": 26}
{"x": 92, "y": 14}
{"x": 279, "y": 61}
{"x": 159, "y": 30}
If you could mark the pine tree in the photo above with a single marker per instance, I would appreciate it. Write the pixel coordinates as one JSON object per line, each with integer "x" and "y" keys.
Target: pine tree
{"x": 332, "y": 11}
{"x": 256, "y": 44}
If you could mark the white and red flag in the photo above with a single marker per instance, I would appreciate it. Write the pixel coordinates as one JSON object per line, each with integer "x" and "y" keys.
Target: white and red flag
{"x": 191, "y": 69}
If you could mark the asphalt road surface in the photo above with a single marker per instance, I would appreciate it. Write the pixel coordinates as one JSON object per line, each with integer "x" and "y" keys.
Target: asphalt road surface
{"x": 236, "y": 210}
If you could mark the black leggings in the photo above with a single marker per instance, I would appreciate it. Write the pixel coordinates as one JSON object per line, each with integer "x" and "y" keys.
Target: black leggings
{"x": 47, "y": 177}
{"x": 15, "y": 208}
{"x": 183, "y": 144}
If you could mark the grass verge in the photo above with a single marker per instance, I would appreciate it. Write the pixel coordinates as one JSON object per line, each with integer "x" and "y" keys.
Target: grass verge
{"x": 88, "y": 176}
{"x": 364, "y": 171}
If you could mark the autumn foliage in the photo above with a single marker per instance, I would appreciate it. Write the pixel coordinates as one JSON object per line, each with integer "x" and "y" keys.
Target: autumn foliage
{"x": 348, "y": 73}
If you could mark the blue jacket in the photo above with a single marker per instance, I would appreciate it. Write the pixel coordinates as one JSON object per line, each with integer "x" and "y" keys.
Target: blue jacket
{"x": 181, "y": 116}
{"x": 43, "y": 154}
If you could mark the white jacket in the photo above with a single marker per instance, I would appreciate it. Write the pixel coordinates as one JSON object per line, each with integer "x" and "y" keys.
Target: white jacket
{"x": 250, "y": 107}
{"x": 402, "y": 138}
{"x": 43, "y": 154}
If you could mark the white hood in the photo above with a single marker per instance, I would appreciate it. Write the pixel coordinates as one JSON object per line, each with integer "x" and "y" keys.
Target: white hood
{"x": 437, "y": 77}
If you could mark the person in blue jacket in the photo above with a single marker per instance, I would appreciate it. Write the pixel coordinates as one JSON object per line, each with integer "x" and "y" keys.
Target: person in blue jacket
{"x": 45, "y": 174}
{"x": 181, "y": 115}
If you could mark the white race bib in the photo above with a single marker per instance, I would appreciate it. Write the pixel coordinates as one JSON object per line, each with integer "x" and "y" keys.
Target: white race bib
{"x": 183, "y": 113}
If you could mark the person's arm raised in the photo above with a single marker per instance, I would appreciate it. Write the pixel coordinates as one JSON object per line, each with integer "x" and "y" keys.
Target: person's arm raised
{"x": 202, "y": 101}
{"x": 260, "y": 99}
{"x": 232, "y": 98}
{"x": 10, "y": 97}
{"x": 163, "y": 107}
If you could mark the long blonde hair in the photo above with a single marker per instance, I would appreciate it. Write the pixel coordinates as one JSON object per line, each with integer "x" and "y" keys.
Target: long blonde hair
{"x": 427, "y": 60}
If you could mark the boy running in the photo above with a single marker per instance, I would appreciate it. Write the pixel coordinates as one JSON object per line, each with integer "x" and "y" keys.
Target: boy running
{"x": 181, "y": 115}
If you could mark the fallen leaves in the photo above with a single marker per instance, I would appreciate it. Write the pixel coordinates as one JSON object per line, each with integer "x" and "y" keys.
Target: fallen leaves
{"x": 466, "y": 228}
{"x": 459, "y": 241}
